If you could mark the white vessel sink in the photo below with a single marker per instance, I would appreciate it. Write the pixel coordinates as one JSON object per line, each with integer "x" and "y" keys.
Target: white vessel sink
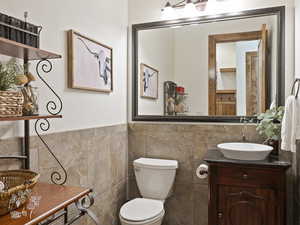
{"x": 245, "y": 151}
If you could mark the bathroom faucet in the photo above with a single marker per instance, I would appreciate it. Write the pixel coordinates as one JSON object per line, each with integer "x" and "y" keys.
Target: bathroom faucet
{"x": 244, "y": 120}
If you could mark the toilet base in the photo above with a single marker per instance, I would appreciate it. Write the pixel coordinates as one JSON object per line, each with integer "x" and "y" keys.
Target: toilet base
{"x": 155, "y": 221}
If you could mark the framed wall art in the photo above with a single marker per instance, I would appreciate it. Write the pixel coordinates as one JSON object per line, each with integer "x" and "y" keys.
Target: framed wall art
{"x": 90, "y": 64}
{"x": 149, "y": 82}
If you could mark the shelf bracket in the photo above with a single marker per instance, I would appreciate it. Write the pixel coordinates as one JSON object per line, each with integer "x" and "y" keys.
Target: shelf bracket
{"x": 43, "y": 125}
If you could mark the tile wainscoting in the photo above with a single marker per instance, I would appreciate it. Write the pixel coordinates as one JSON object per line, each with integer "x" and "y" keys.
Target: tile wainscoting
{"x": 187, "y": 144}
{"x": 95, "y": 158}
{"x": 101, "y": 158}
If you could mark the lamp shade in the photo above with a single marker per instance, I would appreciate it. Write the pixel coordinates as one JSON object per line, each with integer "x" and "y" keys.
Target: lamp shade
{"x": 168, "y": 12}
{"x": 190, "y": 9}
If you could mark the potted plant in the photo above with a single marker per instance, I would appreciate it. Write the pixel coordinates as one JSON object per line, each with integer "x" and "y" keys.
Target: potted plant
{"x": 269, "y": 127}
{"x": 17, "y": 96}
{"x": 10, "y": 100}
{"x": 30, "y": 94}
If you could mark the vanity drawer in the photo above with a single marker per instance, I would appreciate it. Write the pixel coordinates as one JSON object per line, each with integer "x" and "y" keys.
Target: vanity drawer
{"x": 246, "y": 176}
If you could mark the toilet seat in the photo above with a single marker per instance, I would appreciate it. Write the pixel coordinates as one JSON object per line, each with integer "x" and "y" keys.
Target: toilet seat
{"x": 141, "y": 209}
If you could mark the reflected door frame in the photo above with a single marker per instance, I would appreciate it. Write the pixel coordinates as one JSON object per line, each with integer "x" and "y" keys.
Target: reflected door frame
{"x": 213, "y": 40}
{"x": 251, "y": 77}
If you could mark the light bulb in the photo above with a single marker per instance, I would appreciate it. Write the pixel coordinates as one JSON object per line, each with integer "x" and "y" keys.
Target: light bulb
{"x": 168, "y": 12}
{"x": 190, "y": 10}
{"x": 213, "y": 7}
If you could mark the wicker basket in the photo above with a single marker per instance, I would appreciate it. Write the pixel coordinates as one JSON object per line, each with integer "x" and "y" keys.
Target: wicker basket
{"x": 11, "y": 103}
{"x": 18, "y": 187}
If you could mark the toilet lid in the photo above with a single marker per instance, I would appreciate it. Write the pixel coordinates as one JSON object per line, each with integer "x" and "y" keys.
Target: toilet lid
{"x": 141, "y": 209}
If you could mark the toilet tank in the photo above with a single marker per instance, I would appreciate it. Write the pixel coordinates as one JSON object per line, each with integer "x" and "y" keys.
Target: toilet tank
{"x": 155, "y": 177}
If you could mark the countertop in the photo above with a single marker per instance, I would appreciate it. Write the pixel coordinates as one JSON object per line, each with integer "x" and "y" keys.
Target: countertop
{"x": 216, "y": 156}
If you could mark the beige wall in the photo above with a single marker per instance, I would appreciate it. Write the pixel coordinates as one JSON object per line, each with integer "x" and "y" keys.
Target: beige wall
{"x": 150, "y": 44}
{"x": 104, "y": 21}
{"x": 226, "y": 58}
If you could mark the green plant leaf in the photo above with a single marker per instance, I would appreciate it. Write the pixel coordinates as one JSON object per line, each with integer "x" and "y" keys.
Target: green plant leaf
{"x": 8, "y": 72}
{"x": 269, "y": 125}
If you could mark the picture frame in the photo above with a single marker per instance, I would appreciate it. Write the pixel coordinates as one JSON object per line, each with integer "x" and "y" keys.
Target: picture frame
{"x": 90, "y": 64}
{"x": 148, "y": 82}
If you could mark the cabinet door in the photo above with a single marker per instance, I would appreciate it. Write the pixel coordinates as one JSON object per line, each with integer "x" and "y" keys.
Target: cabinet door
{"x": 246, "y": 206}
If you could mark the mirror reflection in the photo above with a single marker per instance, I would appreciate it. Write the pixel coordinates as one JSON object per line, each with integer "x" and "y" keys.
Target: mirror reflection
{"x": 224, "y": 68}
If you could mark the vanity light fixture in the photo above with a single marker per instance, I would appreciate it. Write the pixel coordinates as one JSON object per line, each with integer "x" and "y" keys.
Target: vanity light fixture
{"x": 185, "y": 8}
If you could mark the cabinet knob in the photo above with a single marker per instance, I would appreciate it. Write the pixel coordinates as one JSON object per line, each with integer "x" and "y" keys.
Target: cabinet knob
{"x": 245, "y": 176}
{"x": 220, "y": 215}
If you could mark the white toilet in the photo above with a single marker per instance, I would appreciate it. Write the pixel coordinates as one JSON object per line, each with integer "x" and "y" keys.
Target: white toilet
{"x": 155, "y": 178}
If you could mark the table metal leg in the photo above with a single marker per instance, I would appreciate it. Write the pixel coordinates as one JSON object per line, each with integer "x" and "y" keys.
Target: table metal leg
{"x": 66, "y": 216}
{"x": 83, "y": 206}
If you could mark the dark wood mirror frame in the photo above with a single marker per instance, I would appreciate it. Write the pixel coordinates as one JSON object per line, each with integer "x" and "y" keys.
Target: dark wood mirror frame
{"x": 280, "y": 85}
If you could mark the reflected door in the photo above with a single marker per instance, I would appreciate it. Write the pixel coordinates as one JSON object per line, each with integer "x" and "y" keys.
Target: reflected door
{"x": 262, "y": 58}
{"x": 252, "y": 83}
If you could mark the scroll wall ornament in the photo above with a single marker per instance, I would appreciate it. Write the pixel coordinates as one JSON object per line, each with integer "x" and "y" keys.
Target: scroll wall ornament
{"x": 43, "y": 125}
{"x": 46, "y": 66}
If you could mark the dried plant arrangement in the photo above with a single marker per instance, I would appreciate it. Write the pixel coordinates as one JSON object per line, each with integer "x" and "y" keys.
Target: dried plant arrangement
{"x": 17, "y": 96}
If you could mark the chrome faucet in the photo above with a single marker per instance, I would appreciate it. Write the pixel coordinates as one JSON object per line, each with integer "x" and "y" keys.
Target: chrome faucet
{"x": 244, "y": 120}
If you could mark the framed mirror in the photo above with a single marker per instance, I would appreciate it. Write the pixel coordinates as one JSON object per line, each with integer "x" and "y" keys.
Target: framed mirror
{"x": 217, "y": 68}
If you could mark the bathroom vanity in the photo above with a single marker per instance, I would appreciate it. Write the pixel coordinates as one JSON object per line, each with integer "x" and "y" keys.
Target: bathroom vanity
{"x": 246, "y": 192}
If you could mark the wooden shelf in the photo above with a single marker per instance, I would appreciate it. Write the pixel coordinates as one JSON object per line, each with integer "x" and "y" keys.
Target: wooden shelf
{"x": 228, "y": 70}
{"x": 182, "y": 94}
{"x": 54, "y": 199}
{"x": 21, "y": 51}
{"x": 30, "y": 117}
{"x": 226, "y": 91}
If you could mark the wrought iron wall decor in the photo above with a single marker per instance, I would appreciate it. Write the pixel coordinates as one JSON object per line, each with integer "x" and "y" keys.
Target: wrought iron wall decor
{"x": 43, "y": 125}
{"x": 45, "y": 66}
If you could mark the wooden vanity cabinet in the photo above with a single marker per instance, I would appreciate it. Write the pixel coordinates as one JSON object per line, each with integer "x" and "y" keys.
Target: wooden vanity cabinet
{"x": 241, "y": 194}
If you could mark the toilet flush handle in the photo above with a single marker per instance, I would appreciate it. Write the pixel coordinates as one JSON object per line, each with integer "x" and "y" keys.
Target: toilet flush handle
{"x": 137, "y": 169}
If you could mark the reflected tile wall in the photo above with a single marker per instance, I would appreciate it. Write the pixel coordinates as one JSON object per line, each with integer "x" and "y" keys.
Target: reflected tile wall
{"x": 188, "y": 144}
{"x": 94, "y": 158}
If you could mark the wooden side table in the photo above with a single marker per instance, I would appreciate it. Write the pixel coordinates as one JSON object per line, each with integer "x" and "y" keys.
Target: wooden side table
{"x": 55, "y": 200}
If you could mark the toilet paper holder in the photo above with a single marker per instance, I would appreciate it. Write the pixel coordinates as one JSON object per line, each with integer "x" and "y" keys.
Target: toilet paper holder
{"x": 202, "y": 171}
